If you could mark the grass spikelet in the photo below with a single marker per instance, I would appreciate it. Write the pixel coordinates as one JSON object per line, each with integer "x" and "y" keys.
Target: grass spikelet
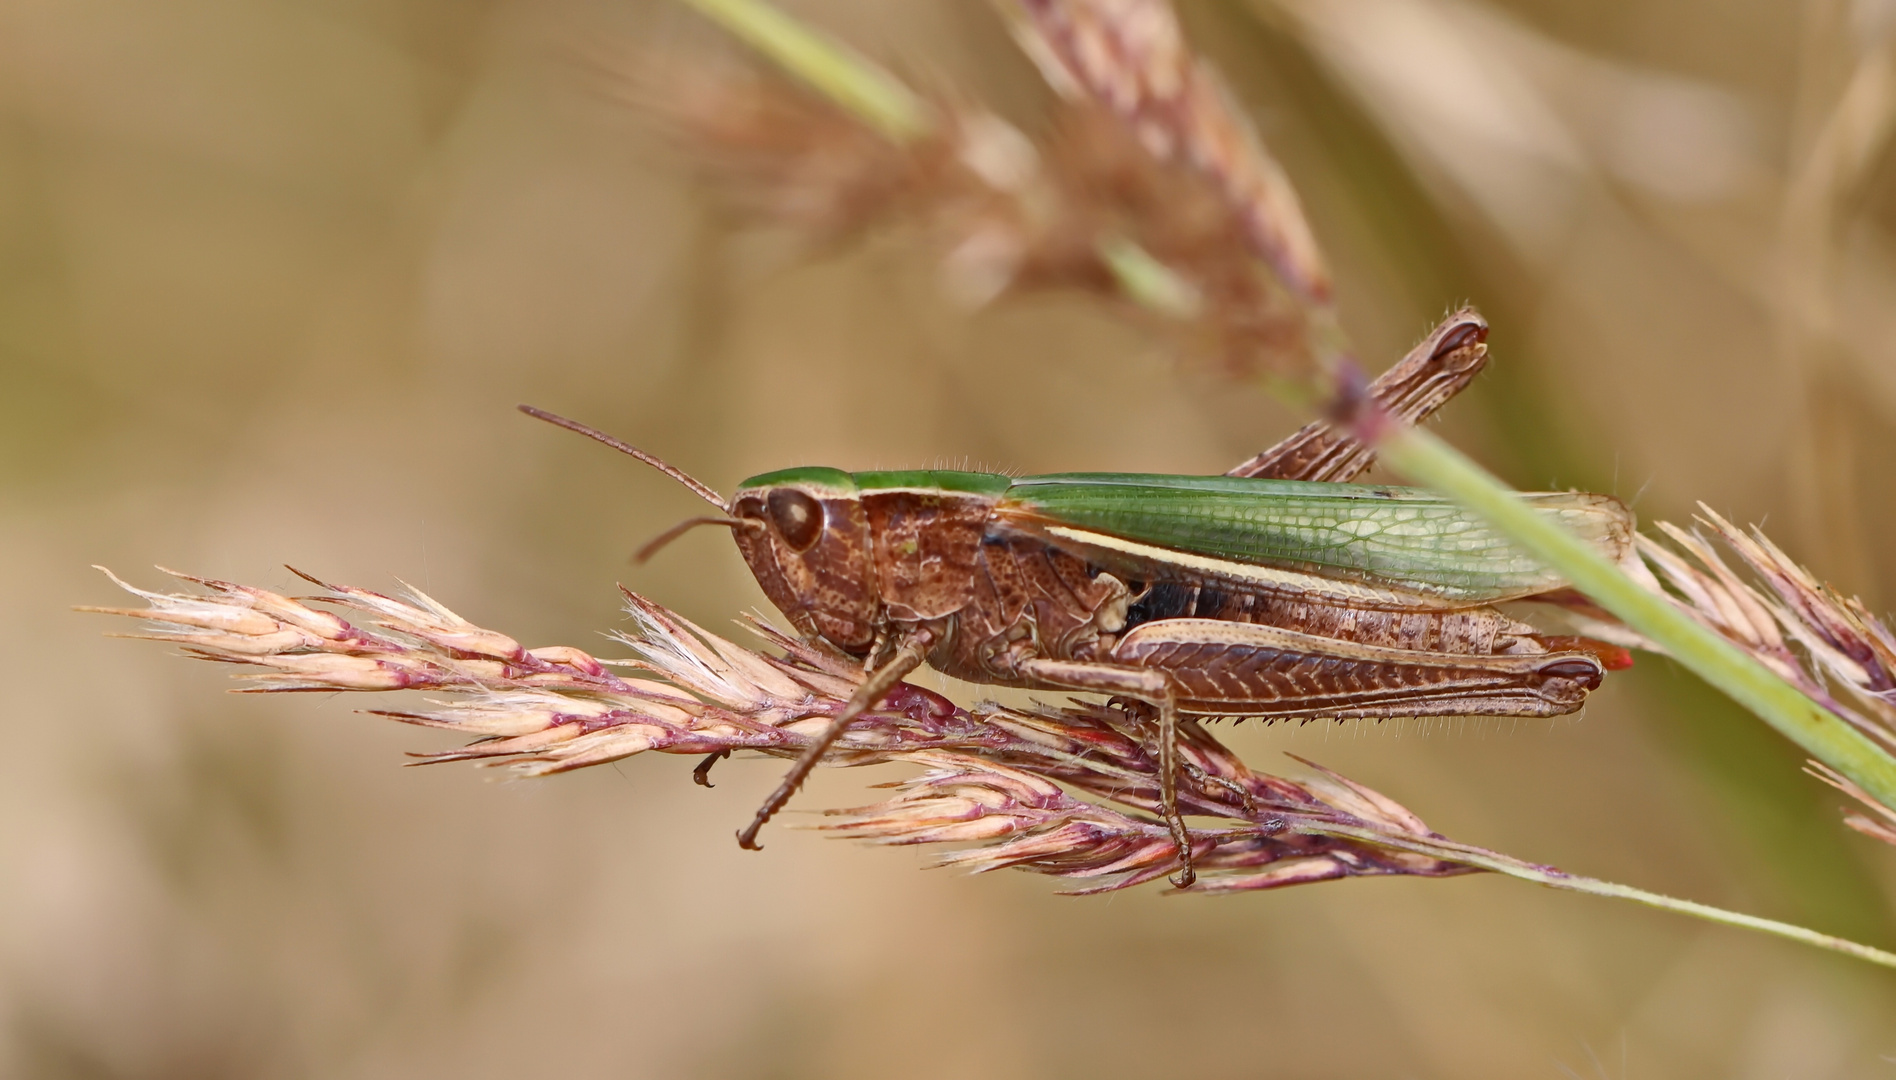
{"x": 1071, "y": 792}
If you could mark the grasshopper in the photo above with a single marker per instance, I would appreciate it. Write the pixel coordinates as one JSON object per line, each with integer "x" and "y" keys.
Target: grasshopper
{"x": 1275, "y": 591}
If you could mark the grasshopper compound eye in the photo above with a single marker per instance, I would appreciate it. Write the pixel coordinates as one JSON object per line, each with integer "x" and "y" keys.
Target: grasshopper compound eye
{"x": 798, "y": 517}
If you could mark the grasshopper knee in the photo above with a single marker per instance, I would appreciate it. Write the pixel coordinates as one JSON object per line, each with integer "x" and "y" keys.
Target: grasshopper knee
{"x": 1568, "y": 679}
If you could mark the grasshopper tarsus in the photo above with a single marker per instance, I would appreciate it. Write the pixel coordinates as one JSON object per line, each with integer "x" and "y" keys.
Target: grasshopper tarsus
{"x": 1206, "y": 781}
{"x": 747, "y": 836}
{"x": 701, "y": 773}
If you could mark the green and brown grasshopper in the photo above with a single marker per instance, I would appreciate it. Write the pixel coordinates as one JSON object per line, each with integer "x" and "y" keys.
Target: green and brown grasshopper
{"x": 1274, "y": 591}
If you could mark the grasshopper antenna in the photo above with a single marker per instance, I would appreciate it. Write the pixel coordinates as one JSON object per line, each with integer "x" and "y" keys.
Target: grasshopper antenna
{"x": 644, "y": 554}
{"x": 673, "y": 471}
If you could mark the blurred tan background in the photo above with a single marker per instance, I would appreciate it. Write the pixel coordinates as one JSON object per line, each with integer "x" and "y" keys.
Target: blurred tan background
{"x": 273, "y": 274}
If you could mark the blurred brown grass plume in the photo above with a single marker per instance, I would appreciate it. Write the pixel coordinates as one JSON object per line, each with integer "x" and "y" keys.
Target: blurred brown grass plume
{"x": 274, "y": 276}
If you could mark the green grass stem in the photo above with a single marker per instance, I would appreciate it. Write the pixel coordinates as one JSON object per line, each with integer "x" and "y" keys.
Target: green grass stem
{"x": 827, "y": 65}
{"x": 1821, "y": 733}
{"x": 1467, "y": 855}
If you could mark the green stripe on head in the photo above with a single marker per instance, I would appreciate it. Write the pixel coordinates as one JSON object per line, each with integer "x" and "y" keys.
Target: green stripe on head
{"x": 819, "y": 480}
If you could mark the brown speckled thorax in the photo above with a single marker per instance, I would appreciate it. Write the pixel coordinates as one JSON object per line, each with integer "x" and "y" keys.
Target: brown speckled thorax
{"x": 852, "y": 558}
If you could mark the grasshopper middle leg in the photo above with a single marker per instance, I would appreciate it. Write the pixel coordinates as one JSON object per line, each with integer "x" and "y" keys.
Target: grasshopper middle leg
{"x": 1160, "y": 691}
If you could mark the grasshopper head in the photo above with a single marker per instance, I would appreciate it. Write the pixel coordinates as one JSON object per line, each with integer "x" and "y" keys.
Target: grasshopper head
{"x": 811, "y": 553}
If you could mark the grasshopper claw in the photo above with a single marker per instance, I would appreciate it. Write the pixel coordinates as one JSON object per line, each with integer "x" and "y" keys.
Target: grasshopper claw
{"x": 1185, "y": 877}
{"x": 701, "y": 775}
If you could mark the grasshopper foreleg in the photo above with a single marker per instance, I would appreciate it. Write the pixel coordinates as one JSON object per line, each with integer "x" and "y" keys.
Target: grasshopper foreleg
{"x": 907, "y": 656}
{"x": 1155, "y": 688}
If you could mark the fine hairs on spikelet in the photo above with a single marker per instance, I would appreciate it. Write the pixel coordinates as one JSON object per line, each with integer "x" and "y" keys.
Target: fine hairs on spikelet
{"x": 1824, "y": 643}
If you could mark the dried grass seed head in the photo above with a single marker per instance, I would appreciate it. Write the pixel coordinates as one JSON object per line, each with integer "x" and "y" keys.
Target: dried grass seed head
{"x": 1026, "y": 789}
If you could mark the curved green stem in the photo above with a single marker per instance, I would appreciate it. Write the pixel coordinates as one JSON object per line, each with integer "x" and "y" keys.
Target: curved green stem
{"x": 1824, "y": 735}
{"x": 1466, "y": 855}
{"x": 830, "y": 67}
